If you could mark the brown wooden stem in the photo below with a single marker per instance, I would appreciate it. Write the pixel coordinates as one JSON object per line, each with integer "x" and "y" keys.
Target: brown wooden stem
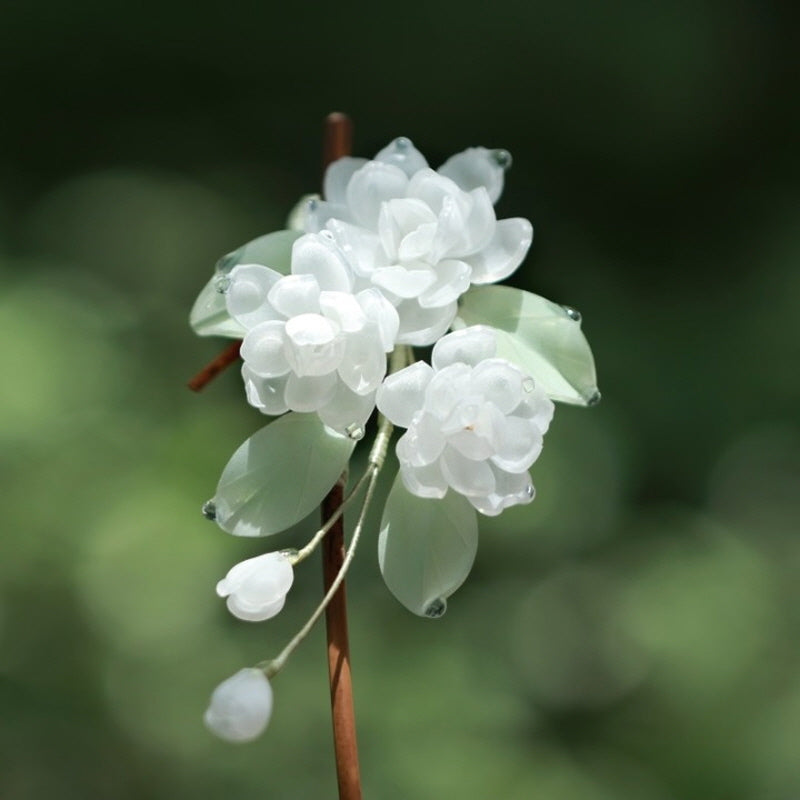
{"x": 337, "y": 142}
{"x": 211, "y": 370}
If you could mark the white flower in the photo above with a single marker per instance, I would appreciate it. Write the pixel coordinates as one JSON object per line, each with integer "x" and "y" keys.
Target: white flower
{"x": 421, "y": 237}
{"x": 475, "y": 422}
{"x": 256, "y": 588}
{"x": 311, "y": 343}
{"x": 240, "y": 706}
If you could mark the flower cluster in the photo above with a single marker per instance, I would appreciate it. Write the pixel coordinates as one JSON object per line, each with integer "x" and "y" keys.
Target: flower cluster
{"x": 394, "y": 256}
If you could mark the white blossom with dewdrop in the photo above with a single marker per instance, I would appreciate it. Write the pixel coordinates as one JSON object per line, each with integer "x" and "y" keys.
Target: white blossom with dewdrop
{"x": 256, "y": 588}
{"x": 240, "y": 706}
{"x": 475, "y": 422}
{"x": 311, "y": 343}
{"x": 419, "y": 236}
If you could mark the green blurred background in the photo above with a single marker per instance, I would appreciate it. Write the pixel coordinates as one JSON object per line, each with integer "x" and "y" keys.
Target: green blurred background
{"x": 632, "y": 635}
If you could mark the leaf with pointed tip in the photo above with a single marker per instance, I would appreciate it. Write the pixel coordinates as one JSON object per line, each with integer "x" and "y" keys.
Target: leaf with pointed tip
{"x": 542, "y": 338}
{"x": 279, "y": 475}
{"x": 209, "y": 315}
{"x": 426, "y": 547}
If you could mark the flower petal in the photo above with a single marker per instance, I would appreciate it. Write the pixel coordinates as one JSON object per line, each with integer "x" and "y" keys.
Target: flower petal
{"x": 265, "y": 394}
{"x": 500, "y": 382}
{"x": 452, "y": 280}
{"x": 240, "y": 706}
{"x": 372, "y": 185}
{"x": 309, "y": 392}
{"x": 347, "y": 410}
{"x": 504, "y": 253}
{"x": 403, "y": 282}
{"x": 344, "y": 309}
{"x": 246, "y": 295}
{"x": 338, "y": 175}
{"x": 317, "y": 255}
{"x": 381, "y": 312}
{"x": 295, "y": 294}
{"x": 402, "y": 153}
{"x": 468, "y": 346}
{"x": 519, "y": 444}
{"x": 402, "y": 394}
{"x": 422, "y": 326}
{"x": 478, "y": 167}
{"x": 361, "y": 247}
{"x": 363, "y": 364}
{"x": 426, "y": 481}
{"x": 314, "y": 345}
{"x": 467, "y": 477}
{"x": 510, "y": 490}
{"x": 263, "y": 349}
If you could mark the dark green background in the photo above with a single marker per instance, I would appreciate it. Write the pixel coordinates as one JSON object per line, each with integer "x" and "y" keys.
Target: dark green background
{"x": 632, "y": 635}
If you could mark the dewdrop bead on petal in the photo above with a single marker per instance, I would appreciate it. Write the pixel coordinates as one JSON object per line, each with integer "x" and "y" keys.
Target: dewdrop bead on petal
{"x": 240, "y": 706}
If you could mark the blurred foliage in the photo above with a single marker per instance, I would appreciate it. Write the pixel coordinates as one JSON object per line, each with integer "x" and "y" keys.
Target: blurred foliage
{"x": 633, "y": 635}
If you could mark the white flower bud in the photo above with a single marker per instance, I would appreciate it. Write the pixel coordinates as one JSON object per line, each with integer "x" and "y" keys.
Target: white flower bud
{"x": 256, "y": 588}
{"x": 240, "y": 706}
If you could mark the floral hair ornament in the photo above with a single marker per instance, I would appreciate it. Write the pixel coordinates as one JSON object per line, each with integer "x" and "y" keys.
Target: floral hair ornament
{"x": 325, "y": 316}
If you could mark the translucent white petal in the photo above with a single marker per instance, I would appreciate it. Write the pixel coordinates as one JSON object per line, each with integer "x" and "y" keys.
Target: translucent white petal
{"x": 372, "y": 185}
{"x": 263, "y": 349}
{"x": 383, "y": 314}
{"x": 500, "y": 382}
{"x": 209, "y": 315}
{"x": 418, "y": 245}
{"x": 422, "y": 443}
{"x": 452, "y": 237}
{"x": 295, "y": 294}
{"x": 337, "y": 176}
{"x": 346, "y": 409}
{"x": 344, "y": 309}
{"x": 265, "y": 394}
{"x": 432, "y": 189}
{"x": 467, "y": 477}
{"x": 240, "y": 706}
{"x": 510, "y": 490}
{"x": 363, "y": 364}
{"x": 403, "y": 282}
{"x": 402, "y": 394}
{"x": 422, "y": 326}
{"x": 402, "y": 153}
{"x": 424, "y": 481}
{"x": 475, "y": 429}
{"x": 317, "y": 255}
{"x": 452, "y": 280}
{"x": 362, "y": 248}
{"x": 476, "y": 167}
{"x": 519, "y": 445}
{"x": 309, "y": 392}
{"x": 256, "y": 588}
{"x": 246, "y": 296}
{"x": 536, "y": 406}
{"x": 314, "y": 345}
{"x": 400, "y": 217}
{"x": 481, "y": 221}
{"x": 244, "y": 611}
{"x": 504, "y": 252}
{"x": 446, "y": 389}
{"x": 466, "y": 346}
{"x": 319, "y": 215}
{"x": 298, "y": 216}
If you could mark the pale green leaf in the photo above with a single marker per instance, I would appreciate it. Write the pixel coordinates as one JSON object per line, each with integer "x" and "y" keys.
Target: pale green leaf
{"x": 209, "y": 315}
{"x": 426, "y": 547}
{"x": 542, "y": 338}
{"x": 279, "y": 475}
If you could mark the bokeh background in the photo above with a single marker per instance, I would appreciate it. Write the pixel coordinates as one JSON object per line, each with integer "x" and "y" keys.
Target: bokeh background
{"x": 632, "y": 635}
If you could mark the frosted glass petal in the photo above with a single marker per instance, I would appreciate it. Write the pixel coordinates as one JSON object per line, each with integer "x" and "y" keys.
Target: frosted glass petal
{"x": 500, "y": 382}
{"x": 240, "y": 706}
{"x": 372, "y": 185}
{"x": 209, "y": 315}
{"x": 274, "y": 250}
{"x": 263, "y": 350}
{"x": 298, "y": 216}
{"x": 541, "y": 338}
{"x": 362, "y": 248}
{"x": 337, "y": 176}
{"x": 402, "y": 394}
{"x": 481, "y": 221}
{"x": 265, "y": 394}
{"x": 422, "y": 443}
{"x": 425, "y": 481}
{"x": 320, "y": 214}
{"x": 344, "y": 309}
{"x": 452, "y": 237}
{"x": 475, "y": 167}
{"x": 315, "y": 254}
{"x": 423, "y": 326}
{"x": 519, "y": 445}
{"x": 310, "y": 392}
{"x": 295, "y": 294}
{"x": 363, "y": 364}
{"x": 426, "y": 548}
{"x": 468, "y": 346}
{"x": 400, "y": 217}
{"x": 452, "y": 280}
{"x": 314, "y": 345}
{"x": 258, "y": 495}
{"x": 510, "y": 490}
{"x": 432, "y": 189}
{"x": 256, "y": 588}
{"x": 383, "y": 314}
{"x": 402, "y": 153}
{"x": 446, "y": 388}
{"x": 536, "y": 407}
{"x": 346, "y": 409}
{"x": 504, "y": 252}
{"x": 243, "y": 610}
{"x": 246, "y": 296}
{"x": 403, "y": 282}
{"x": 467, "y": 477}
